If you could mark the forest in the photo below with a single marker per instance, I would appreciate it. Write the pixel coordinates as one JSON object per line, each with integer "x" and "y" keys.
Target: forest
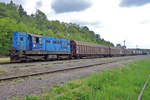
{"x": 13, "y": 18}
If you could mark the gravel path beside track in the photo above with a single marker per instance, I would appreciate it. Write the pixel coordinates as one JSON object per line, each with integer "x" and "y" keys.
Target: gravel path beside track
{"x": 40, "y": 84}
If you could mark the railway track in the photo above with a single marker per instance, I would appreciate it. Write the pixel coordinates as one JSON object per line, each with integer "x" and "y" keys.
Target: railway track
{"x": 59, "y": 68}
{"x": 2, "y": 63}
{"x": 51, "y": 71}
{"x": 6, "y": 63}
{"x": 35, "y": 61}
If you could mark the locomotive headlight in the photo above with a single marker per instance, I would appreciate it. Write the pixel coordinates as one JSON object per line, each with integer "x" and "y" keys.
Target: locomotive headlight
{"x": 33, "y": 45}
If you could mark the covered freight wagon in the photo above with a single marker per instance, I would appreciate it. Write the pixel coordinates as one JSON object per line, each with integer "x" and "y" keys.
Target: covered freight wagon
{"x": 84, "y": 49}
{"x": 116, "y": 51}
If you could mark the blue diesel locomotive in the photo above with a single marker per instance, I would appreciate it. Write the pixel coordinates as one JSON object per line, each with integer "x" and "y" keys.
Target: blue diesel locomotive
{"x": 29, "y": 46}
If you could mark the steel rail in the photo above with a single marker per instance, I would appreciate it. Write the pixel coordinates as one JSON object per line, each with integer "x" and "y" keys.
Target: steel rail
{"x": 52, "y": 71}
{"x": 141, "y": 93}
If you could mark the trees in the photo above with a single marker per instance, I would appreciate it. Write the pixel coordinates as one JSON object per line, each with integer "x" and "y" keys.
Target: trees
{"x": 21, "y": 11}
{"x": 97, "y": 36}
{"x": 7, "y": 26}
{"x": 40, "y": 15}
{"x": 40, "y": 20}
{"x": 13, "y": 18}
{"x": 11, "y": 2}
{"x": 118, "y": 45}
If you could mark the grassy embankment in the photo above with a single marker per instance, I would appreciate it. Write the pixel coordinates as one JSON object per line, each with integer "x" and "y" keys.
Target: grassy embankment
{"x": 124, "y": 83}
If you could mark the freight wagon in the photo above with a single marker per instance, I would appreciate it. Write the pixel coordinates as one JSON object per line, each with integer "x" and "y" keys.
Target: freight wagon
{"x": 83, "y": 49}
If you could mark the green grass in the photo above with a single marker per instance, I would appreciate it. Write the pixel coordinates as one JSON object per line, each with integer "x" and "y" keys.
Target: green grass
{"x": 5, "y": 59}
{"x": 146, "y": 94}
{"x": 123, "y": 83}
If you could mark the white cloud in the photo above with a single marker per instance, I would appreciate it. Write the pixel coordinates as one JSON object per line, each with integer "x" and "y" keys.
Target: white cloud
{"x": 62, "y": 6}
{"x": 30, "y": 6}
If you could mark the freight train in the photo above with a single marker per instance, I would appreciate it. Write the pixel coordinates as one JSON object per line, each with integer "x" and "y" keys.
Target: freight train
{"x": 27, "y": 47}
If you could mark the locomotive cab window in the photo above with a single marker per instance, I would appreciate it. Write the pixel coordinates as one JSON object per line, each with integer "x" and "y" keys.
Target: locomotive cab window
{"x": 48, "y": 41}
{"x": 54, "y": 42}
{"x": 37, "y": 40}
{"x": 21, "y": 38}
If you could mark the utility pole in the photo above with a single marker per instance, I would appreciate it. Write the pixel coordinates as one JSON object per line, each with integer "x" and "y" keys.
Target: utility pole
{"x": 136, "y": 46}
{"x": 124, "y": 43}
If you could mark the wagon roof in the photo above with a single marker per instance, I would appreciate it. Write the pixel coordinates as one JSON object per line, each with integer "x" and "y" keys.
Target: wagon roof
{"x": 116, "y": 48}
{"x": 89, "y": 44}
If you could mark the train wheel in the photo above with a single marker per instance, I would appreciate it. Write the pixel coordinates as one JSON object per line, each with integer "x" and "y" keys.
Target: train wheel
{"x": 14, "y": 59}
{"x": 46, "y": 57}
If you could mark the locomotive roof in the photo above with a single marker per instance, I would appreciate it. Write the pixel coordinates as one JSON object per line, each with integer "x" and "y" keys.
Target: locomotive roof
{"x": 35, "y": 35}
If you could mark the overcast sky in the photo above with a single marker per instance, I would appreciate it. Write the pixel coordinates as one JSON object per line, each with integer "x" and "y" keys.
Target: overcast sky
{"x": 114, "y": 20}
